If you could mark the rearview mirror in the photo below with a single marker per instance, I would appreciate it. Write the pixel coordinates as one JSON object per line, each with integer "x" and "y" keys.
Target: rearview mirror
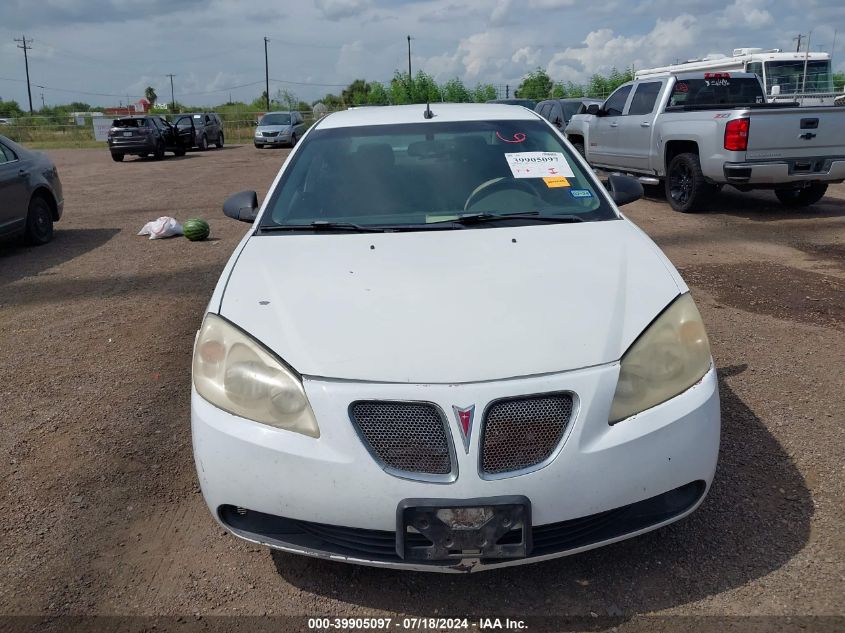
{"x": 242, "y": 206}
{"x": 624, "y": 189}
{"x": 594, "y": 109}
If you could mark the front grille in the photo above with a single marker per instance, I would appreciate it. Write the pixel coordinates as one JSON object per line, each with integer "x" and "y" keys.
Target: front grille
{"x": 410, "y": 437}
{"x": 270, "y": 133}
{"x": 523, "y": 432}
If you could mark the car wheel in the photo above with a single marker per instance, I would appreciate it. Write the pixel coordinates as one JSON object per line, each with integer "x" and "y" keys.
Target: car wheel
{"x": 179, "y": 152}
{"x": 116, "y": 157}
{"x": 39, "y": 221}
{"x": 686, "y": 189}
{"x": 259, "y": 146}
{"x": 159, "y": 151}
{"x": 579, "y": 147}
{"x": 803, "y": 196}
{"x": 203, "y": 144}
{"x": 293, "y": 140}
{"x": 144, "y": 154}
{"x": 219, "y": 142}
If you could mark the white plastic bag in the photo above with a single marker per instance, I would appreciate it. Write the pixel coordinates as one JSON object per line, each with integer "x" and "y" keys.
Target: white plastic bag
{"x": 163, "y": 227}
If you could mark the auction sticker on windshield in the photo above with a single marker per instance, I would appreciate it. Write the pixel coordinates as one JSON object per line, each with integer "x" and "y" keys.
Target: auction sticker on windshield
{"x": 538, "y": 164}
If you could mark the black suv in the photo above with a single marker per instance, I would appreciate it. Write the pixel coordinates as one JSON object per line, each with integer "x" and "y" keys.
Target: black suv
{"x": 145, "y": 135}
{"x": 208, "y": 128}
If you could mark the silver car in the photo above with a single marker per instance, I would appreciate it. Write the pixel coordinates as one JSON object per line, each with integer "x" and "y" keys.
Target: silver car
{"x": 279, "y": 128}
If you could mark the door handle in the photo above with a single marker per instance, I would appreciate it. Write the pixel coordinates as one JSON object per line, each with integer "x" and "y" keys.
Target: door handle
{"x": 614, "y": 125}
{"x": 645, "y": 124}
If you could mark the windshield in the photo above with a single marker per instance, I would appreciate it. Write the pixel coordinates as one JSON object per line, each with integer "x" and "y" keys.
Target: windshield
{"x": 570, "y": 108}
{"x": 717, "y": 90}
{"x": 789, "y": 75}
{"x": 423, "y": 174}
{"x": 274, "y": 119}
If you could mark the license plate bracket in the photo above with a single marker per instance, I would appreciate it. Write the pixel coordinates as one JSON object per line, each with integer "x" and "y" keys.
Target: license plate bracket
{"x": 454, "y": 529}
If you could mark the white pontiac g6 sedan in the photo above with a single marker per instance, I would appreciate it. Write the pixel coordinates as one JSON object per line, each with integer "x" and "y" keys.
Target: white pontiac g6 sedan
{"x": 441, "y": 347}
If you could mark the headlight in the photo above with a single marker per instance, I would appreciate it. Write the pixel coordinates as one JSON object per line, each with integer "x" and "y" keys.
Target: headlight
{"x": 668, "y": 358}
{"x": 235, "y": 373}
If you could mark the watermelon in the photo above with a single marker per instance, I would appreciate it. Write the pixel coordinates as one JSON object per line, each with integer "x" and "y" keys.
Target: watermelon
{"x": 195, "y": 229}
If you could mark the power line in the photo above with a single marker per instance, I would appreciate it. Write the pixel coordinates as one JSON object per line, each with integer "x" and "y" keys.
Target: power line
{"x": 24, "y": 44}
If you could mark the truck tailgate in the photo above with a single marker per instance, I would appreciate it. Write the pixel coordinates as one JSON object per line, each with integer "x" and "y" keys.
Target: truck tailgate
{"x": 796, "y": 133}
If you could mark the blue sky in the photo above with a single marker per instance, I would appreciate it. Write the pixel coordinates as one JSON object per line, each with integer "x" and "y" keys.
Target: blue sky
{"x": 215, "y": 47}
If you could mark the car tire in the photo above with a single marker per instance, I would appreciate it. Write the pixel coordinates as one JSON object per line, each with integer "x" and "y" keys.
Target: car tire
{"x": 158, "y": 154}
{"x": 39, "y": 221}
{"x": 579, "y": 147}
{"x": 293, "y": 140}
{"x": 259, "y": 146}
{"x": 219, "y": 142}
{"x": 203, "y": 144}
{"x": 686, "y": 189}
{"x": 118, "y": 158}
{"x": 803, "y": 196}
{"x": 179, "y": 152}
{"x": 144, "y": 154}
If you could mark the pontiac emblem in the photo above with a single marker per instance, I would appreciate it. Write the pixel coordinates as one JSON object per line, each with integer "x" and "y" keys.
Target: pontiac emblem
{"x": 465, "y": 417}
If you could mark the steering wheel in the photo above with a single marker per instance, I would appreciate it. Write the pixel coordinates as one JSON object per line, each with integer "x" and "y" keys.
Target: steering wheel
{"x": 497, "y": 185}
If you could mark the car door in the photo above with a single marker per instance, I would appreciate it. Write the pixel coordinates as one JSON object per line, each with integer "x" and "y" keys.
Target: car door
{"x": 183, "y": 132}
{"x": 14, "y": 191}
{"x": 604, "y": 130}
{"x": 635, "y": 127}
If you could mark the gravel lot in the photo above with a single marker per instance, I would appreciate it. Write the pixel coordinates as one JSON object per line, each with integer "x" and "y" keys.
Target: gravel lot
{"x": 102, "y": 510}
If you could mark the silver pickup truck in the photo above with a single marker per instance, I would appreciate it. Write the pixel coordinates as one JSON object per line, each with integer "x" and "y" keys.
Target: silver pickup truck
{"x": 697, "y": 132}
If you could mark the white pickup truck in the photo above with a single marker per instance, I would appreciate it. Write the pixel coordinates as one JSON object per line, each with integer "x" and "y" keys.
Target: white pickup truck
{"x": 697, "y": 132}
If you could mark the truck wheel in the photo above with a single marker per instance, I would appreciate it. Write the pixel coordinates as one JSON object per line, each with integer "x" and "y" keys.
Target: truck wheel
{"x": 203, "y": 144}
{"x": 802, "y": 196}
{"x": 158, "y": 154}
{"x": 219, "y": 142}
{"x": 686, "y": 189}
{"x": 580, "y": 148}
{"x": 116, "y": 157}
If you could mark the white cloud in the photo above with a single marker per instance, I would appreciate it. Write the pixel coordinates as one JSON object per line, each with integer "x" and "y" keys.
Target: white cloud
{"x": 603, "y": 49}
{"x": 339, "y": 9}
{"x": 750, "y": 13}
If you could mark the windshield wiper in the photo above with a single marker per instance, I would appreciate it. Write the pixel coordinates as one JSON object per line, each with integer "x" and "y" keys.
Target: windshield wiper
{"x": 321, "y": 225}
{"x": 480, "y": 218}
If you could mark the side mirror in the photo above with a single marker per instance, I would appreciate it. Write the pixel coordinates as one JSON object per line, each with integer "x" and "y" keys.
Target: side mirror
{"x": 255, "y": 123}
{"x": 242, "y": 206}
{"x": 594, "y": 109}
{"x": 624, "y": 189}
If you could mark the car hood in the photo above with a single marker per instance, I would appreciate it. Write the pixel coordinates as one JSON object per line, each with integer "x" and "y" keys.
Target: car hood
{"x": 272, "y": 128}
{"x": 449, "y": 306}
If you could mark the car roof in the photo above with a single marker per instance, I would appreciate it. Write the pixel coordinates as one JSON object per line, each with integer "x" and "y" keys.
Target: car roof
{"x": 443, "y": 113}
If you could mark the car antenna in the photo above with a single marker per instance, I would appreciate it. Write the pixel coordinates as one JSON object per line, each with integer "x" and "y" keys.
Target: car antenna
{"x": 428, "y": 114}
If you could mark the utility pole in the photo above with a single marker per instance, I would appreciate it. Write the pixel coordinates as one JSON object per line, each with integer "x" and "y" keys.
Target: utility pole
{"x": 43, "y": 105}
{"x": 172, "y": 98}
{"x": 409, "y": 58}
{"x": 25, "y": 45}
{"x": 798, "y": 48}
{"x": 266, "y": 74}
{"x": 507, "y": 91}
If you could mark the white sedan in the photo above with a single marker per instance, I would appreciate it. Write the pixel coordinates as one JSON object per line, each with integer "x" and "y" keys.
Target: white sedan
{"x": 441, "y": 347}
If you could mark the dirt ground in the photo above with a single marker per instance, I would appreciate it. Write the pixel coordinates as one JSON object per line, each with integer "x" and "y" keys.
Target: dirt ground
{"x": 101, "y": 508}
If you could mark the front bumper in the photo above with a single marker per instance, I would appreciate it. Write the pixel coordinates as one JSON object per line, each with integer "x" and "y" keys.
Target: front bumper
{"x": 799, "y": 170}
{"x": 273, "y": 140}
{"x": 662, "y": 459}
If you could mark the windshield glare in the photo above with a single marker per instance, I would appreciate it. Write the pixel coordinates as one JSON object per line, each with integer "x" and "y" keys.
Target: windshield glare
{"x": 274, "y": 119}
{"x": 789, "y": 75}
{"x": 423, "y": 174}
